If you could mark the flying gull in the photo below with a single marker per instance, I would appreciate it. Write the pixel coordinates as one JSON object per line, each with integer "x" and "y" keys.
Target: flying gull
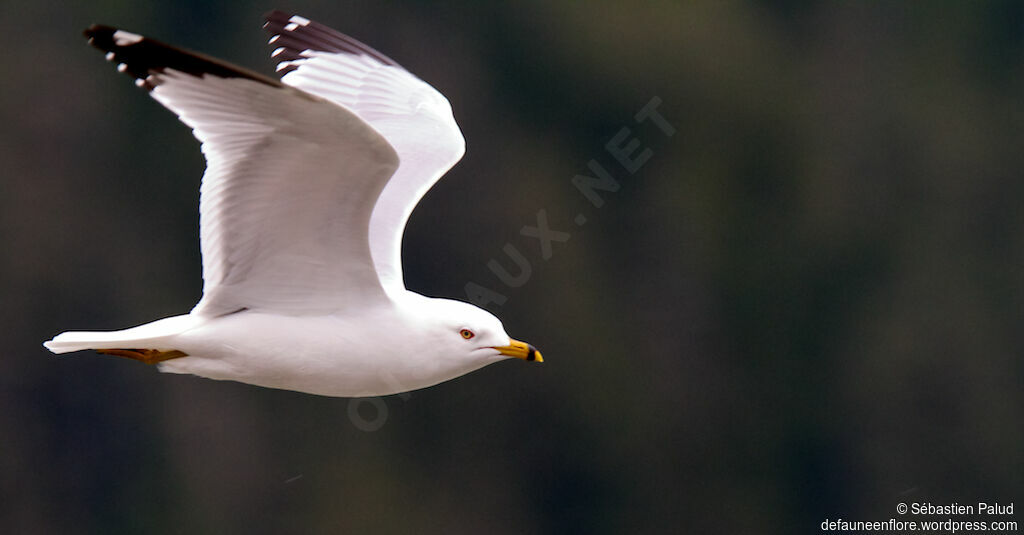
{"x": 309, "y": 184}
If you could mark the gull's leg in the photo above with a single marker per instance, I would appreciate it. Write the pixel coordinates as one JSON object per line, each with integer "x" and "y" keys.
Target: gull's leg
{"x": 149, "y": 356}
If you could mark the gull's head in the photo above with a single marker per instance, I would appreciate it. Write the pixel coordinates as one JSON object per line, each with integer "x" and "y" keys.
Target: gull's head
{"x": 465, "y": 332}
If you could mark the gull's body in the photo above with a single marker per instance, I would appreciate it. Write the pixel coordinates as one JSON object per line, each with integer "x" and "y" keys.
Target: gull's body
{"x": 308, "y": 187}
{"x": 332, "y": 355}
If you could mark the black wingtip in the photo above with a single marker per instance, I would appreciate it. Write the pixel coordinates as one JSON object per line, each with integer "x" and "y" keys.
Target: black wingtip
{"x": 141, "y": 57}
{"x": 295, "y": 34}
{"x": 97, "y": 29}
{"x": 91, "y": 30}
{"x": 275, "y": 14}
{"x": 124, "y": 52}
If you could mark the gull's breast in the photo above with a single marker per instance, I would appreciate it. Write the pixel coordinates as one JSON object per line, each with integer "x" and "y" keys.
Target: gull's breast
{"x": 326, "y": 355}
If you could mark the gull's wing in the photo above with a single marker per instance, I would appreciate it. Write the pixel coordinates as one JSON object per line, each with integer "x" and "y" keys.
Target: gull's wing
{"x": 413, "y": 116}
{"x": 290, "y": 182}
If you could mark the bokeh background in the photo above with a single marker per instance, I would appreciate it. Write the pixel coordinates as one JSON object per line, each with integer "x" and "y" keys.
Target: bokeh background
{"x": 806, "y": 305}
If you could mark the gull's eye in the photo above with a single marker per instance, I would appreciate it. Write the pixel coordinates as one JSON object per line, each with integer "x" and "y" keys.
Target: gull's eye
{"x": 466, "y": 333}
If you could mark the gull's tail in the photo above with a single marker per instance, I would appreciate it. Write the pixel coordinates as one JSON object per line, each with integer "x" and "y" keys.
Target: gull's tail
{"x": 156, "y": 336}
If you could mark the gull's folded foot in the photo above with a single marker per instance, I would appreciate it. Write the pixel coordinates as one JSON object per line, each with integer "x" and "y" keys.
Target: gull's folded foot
{"x": 149, "y": 356}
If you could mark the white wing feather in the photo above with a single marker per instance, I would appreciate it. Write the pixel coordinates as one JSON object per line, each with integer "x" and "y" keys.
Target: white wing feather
{"x": 413, "y": 116}
{"x": 290, "y": 183}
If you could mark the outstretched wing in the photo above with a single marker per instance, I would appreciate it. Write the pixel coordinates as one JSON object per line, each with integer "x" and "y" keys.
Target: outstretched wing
{"x": 290, "y": 183}
{"x": 413, "y": 116}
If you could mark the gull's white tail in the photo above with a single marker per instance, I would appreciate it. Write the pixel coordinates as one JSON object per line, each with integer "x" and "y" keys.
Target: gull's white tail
{"x": 156, "y": 335}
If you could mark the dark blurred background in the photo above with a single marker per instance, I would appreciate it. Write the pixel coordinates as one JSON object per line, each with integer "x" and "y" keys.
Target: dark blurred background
{"x": 806, "y": 304}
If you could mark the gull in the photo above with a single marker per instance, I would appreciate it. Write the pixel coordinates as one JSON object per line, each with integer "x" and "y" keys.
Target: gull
{"x": 309, "y": 183}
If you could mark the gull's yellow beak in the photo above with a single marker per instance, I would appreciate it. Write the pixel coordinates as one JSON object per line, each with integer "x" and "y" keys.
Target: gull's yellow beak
{"x": 520, "y": 350}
